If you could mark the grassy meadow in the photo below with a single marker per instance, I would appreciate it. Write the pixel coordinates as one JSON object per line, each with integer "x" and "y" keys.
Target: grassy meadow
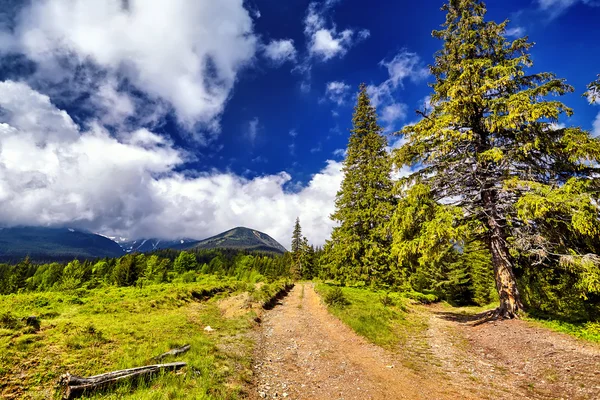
{"x": 88, "y": 332}
{"x": 382, "y": 318}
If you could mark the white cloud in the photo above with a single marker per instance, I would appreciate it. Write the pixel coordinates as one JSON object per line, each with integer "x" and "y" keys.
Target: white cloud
{"x": 293, "y": 133}
{"x": 557, "y": 7}
{"x": 53, "y": 172}
{"x": 517, "y": 32}
{"x": 393, "y": 113}
{"x": 280, "y": 51}
{"x": 324, "y": 40}
{"x": 596, "y": 126}
{"x": 405, "y": 65}
{"x": 339, "y": 153}
{"x": 187, "y": 53}
{"x": 337, "y": 92}
{"x": 252, "y": 129}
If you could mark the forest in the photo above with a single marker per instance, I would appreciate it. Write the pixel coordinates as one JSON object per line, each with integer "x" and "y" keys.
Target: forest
{"x": 499, "y": 212}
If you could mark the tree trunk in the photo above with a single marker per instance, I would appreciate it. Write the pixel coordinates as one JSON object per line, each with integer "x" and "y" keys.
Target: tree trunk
{"x": 506, "y": 283}
{"x": 75, "y": 386}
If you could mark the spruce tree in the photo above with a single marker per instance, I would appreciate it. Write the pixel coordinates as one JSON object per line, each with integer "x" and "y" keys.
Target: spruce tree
{"x": 359, "y": 246}
{"x": 490, "y": 144}
{"x": 593, "y": 92}
{"x": 297, "y": 250}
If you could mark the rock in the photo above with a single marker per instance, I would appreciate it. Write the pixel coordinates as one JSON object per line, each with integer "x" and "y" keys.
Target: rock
{"x": 262, "y": 395}
{"x": 33, "y": 321}
{"x": 208, "y": 329}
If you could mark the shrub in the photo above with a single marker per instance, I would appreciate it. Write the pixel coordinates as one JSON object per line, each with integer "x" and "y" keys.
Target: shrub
{"x": 9, "y": 321}
{"x": 422, "y": 298}
{"x": 335, "y": 297}
{"x": 386, "y": 300}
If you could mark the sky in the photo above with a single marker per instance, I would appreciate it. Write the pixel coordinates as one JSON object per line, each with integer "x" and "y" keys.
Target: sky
{"x": 185, "y": 118}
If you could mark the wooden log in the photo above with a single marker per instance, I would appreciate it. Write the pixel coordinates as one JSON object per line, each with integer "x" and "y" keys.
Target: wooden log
{"x": 76, "y": 386}
{"x": 173, "y": 352}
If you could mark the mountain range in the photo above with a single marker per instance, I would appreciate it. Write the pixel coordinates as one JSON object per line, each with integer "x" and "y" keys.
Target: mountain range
{"x": 43, "y": 244}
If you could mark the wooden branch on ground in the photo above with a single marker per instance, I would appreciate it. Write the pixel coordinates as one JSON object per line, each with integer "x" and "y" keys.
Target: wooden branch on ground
{"x": 173, "y": 352}
{"x": 75, "y": 386}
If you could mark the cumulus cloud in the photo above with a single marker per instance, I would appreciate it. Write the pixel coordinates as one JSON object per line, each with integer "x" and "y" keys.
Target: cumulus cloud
{"x": 54, "y": 172}
{"x": 187, "y": 53}
{"x": 393, "y": 113}
{"x": 324, "y": 40}
{"x": 557, "y": 7}
{"x": 280, "y": 51}
{"x": 337, "y": 92}
{"x": 404, "y": 65}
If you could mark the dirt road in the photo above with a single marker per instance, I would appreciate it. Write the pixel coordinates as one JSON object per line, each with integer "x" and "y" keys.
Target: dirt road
{"x": 303, "y": 352}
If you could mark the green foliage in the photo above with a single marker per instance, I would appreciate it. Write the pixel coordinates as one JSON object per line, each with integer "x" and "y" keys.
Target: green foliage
{"x": 113, "y": 328}
{"x": 185, "y": 262}
{"x": 335, "y": 297}
{"x": 587, "y": 330}
{"x": 359, "y": 246}
{"x": 489, "y": 144}
{"x": 423, "y": 298}
{"x": 593, "y": 92}
{"x": 385, "y": 325}
{"x": 142, "y": 270}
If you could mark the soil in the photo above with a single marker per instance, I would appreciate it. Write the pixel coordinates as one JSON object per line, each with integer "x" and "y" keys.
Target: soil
{"x": 303, "y": 352}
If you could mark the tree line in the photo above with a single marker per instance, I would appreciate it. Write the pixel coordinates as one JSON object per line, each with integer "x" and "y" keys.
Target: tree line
{"x": 501, "y": 202}
{"x": 142, "y": 269}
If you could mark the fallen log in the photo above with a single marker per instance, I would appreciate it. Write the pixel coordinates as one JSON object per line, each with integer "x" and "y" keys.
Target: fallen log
{"x": 173, "y": 352}
{"x": 76, "y": 386}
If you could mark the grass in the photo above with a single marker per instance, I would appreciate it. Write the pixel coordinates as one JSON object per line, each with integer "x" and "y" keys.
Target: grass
{"x": 589, "y": 331}
{"x": 382, "y": 318}
{"x": 88, "y": 332}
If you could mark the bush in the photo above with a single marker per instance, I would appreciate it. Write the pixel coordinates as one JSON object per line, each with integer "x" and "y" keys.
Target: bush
{"x": 9, "y": 321}
{"x": 335, "y": 297}
{"x": 422, "y": 298}
{"x": 387, "y": 300}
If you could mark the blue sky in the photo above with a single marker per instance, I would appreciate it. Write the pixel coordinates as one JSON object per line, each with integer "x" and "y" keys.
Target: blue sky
{"x": 188, "y": 117}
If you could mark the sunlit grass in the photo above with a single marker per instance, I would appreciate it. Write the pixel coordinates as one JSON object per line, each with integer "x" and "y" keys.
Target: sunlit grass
{"x": 89, "y": 332}
{"x": 382, "y": 318}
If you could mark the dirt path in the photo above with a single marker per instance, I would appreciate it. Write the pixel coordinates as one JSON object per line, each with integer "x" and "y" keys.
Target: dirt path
{"x": 513, "y": 359}
{"x": 305, "y": 353}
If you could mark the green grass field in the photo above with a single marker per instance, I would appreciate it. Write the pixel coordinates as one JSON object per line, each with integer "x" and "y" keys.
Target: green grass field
{"x": 382, "y": 318}
{"x": 89, "y": 332}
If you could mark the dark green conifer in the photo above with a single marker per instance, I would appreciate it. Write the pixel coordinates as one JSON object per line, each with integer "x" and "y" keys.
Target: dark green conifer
{"x": 359, "y": 246}
{"x": 491, "y": 145}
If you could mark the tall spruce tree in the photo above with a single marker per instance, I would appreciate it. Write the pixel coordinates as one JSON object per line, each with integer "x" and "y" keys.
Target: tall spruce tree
{"x": 297, "y": 250}
{"x": 359, "y": 246}
{"x": 490, "y": 144}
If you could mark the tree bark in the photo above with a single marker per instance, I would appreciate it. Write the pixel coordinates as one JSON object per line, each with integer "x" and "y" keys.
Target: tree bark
{"x": 75, "y": 386}
{"x": 174, "y": 352}
{"x": 506, "y": 283}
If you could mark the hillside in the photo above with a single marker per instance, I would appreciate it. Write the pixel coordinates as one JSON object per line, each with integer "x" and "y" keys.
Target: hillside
{"x": 61, "y": 244}
{"x": 147, "y": 245}
{"x": 243, "y": 239}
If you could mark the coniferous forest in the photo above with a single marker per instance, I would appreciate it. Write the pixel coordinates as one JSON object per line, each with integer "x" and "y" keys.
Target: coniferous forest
{"x": 485, "y": 208}
{"x": 501, "y": 203}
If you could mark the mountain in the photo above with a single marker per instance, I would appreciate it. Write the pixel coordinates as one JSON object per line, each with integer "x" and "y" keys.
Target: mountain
{"x": 243, "y": 239}
{"x": 54, "y": 244}
{"x": 147, "y": 245}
